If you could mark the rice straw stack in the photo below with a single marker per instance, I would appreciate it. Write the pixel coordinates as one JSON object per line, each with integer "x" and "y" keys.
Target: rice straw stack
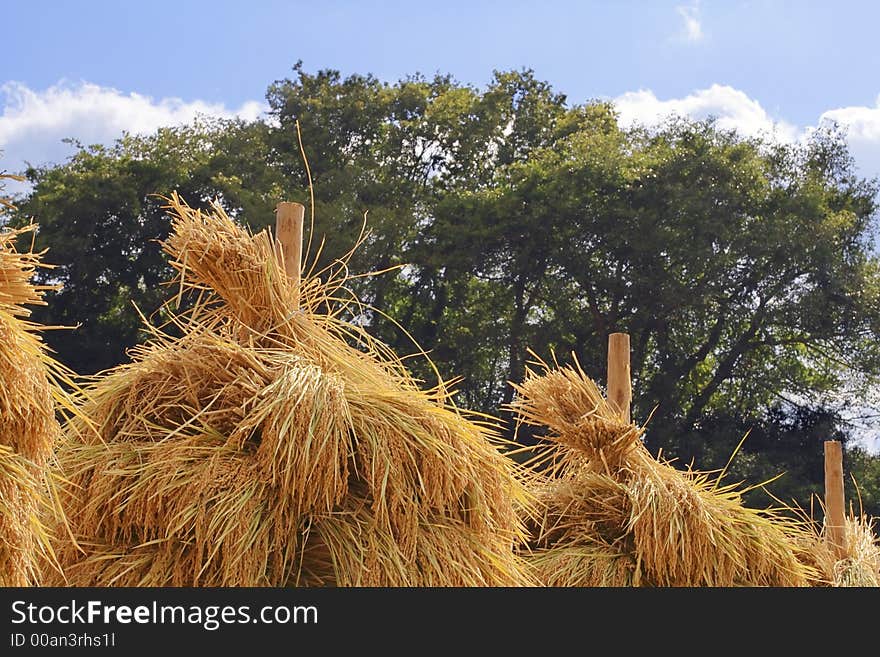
{"x": 28, "y": 428}
{"x": 251, "y": 442}
{"x": 610, "y": 514}
{"x": 858, "y": 566}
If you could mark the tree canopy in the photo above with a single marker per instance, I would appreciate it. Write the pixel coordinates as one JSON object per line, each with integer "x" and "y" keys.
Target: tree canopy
{"x": 743, "y": 269}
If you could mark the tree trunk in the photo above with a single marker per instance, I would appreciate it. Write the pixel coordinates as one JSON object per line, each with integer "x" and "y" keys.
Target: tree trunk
{"x": 515, "y": 367}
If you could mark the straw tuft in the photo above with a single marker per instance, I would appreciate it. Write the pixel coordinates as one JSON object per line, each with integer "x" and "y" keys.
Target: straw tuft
{"x": 612, "y": 515}
{"x": 859, "y": 566}
{"x": 29, "y": 390}
{"x": 251, "y": 442}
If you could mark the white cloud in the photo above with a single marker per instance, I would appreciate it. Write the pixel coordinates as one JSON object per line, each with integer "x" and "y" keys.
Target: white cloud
{"x": 863, "y": 122}
{"x": 692, "y": 29}
{"x": 862, "y": 125}
{"x": 735, "y": 110}
{"x": 33, "y": 123}
{"x": 732, "y": 108}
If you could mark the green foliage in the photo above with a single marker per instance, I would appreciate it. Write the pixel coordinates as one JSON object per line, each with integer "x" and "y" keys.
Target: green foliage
{"x": 101, "y": 217}
{"x": 863, "y": 483}
{"x": 741, "y": 269}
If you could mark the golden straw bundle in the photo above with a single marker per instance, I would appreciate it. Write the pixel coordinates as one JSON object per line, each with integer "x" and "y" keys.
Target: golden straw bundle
{"x": 858, "y": 566}
{"x": 612, "y": 515}
{"x": 28, "y": 428}
{"x": 253, "y": 443}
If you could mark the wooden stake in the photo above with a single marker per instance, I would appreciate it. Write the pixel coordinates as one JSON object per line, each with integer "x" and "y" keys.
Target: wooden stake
{"x": 289, "y": 232}
{"x": 835, "y": 523}
{"x": 619, "y": 383}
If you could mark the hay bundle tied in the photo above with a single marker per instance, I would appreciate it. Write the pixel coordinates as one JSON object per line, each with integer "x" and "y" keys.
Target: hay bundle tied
{"x": 28, "y": 427}
{"x": 857, "y": 565}
{"x": 610, "y": 514}
{"x": 260, "y": 439}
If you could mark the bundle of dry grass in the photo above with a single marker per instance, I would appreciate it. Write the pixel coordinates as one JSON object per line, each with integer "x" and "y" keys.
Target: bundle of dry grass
{"x": 254, "y": 443}
{"x": 612, "y": 515}
{"x": 28, "y": 428}
{"x": 858, "y": 566}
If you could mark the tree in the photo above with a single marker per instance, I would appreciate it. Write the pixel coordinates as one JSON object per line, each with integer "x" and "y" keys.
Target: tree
{"x": 101, "y": 217}
{"x": 509, "y": 219}
{"x": 5, "y": 204}
{"x": 741, "y": 268}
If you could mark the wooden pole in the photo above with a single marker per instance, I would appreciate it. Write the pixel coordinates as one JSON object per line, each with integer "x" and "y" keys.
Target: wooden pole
{"x": 619, "y": 383}
{"x": 288, "y": 233}
{"x": 835, "y": 523}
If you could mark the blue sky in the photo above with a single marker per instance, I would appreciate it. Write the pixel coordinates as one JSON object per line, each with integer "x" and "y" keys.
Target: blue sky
{"x": 90, "y": 69}
{"x": 797, "y": 58}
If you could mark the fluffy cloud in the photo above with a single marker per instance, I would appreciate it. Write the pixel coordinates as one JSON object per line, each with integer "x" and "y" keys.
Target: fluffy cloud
{"x": 735, "y": 110}
{"x": 862, "y": 125}
{"x": 732, "y": 107}
{"x": 33, "y": 123}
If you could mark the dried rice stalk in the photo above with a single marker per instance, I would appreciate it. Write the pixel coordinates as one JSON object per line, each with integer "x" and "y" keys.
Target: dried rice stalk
{"x": 29, "y": 391}
{"x": 860, "y": 567}
{"x": 612, "y": 515}
{"x": 249, "y": 444}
